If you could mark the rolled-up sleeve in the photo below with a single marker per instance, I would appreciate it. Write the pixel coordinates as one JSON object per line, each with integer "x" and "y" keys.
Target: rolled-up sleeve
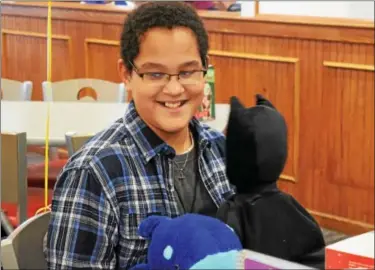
{"x": 83, "y": 229}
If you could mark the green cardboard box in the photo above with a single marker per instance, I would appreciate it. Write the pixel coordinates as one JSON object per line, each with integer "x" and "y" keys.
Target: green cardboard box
{"x": 206, "y": 111}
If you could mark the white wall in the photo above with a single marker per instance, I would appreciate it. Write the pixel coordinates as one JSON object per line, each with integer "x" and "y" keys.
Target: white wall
{"x": 335, "y": 9}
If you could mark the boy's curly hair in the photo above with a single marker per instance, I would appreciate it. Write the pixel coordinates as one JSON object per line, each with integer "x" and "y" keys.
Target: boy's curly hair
{"x": 160, "y": 14}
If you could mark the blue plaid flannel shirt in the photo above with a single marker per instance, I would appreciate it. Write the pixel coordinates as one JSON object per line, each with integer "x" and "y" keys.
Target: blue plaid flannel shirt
{"x": 121, "y": 176}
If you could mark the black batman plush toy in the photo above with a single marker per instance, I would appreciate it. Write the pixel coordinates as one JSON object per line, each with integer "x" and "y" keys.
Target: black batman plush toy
{"x": 266, "y": 219}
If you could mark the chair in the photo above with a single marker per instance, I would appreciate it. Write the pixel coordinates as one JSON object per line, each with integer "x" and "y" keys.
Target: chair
{"x": 15, "y": 90}
{"x": 86, "y": 90}
{"x": 36, "y": 171}
{"x": 6, "y": 226}
{"x": 23, "y": 249}
{"x": 17, "y": 200}
{"x": 13, "y": 172}
{"x": 74, "y": 142}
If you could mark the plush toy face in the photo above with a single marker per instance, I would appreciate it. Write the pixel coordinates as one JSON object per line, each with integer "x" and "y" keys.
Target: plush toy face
{"x": 256, "y": 144}
{"x": 181, "y": 242}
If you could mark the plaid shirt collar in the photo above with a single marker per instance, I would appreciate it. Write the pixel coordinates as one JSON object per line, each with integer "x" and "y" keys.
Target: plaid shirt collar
{"x": 150, "y": 143}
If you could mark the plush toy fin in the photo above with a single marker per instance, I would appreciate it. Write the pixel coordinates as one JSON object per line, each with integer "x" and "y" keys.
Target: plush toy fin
{"x": 222, "y": 260}
{"x": 260, "y": 100}
{"x": 141, "y": 266}
{"x": 147, "y": 227}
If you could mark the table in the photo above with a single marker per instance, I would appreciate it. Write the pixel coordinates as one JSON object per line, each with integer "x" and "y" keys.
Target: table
{"x": 82, "y": 118}
{"x": 25, "y": 116}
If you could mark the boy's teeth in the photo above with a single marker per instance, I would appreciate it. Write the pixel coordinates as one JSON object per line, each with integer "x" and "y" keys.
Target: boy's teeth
{"x": 172, "y": 105}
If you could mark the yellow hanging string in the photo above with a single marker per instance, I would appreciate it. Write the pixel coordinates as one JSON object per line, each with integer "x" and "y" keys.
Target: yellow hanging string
{"x": 49, "y": 75}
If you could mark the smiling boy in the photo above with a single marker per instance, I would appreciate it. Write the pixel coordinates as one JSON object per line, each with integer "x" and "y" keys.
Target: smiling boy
{"x": 157, "y": 159}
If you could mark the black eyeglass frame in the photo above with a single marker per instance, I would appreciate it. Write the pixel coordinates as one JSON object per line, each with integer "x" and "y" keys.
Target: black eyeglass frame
{"x": 141, "y": 74}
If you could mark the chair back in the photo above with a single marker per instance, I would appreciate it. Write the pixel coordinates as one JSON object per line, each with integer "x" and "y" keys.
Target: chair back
{"x": 13, "y": 172}
{"x": 15, "y": 90}
{"x": 75, "y": 141}
{"x": 6, "y": 225}
{"x": 84, "y": 90}
{"x": 23, "y": 249}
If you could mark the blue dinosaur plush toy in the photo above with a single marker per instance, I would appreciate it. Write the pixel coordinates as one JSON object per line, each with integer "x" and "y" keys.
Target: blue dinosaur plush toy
{"x": 186, "y": 241}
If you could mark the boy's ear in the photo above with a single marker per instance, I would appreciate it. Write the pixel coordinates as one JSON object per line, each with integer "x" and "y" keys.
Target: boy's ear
{"x": 124, "y": 73}
{"x": 206, "y": 64}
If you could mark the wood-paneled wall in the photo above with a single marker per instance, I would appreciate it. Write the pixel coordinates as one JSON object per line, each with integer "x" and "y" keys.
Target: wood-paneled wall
{"x": 319, "y": 73}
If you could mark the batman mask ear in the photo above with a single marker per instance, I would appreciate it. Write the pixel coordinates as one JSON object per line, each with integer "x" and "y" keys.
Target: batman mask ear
{"x": 235, "y": 103}
{"x": 260, "y": 100}
{"x": 148, "y": 225}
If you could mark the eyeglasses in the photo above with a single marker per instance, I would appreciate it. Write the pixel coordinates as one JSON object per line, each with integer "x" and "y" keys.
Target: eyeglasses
{"x": 160, "y": 79}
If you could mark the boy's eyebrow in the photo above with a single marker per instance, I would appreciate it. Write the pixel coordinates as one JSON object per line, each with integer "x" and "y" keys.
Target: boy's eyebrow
{"x": 152, "y": 65}
{"x": 190, "y": 63}
{"x": 158, "y": 65}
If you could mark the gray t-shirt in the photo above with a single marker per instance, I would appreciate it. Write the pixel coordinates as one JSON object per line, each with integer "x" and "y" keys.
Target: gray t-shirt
{"x": 191, "y": 194}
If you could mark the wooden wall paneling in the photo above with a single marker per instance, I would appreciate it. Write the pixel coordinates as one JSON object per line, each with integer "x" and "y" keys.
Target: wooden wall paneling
{"x": 99, "y": 52}
{"x": 25, "y": 57}
{"x": 350, "y": 66}
{"x": 349, "y": 112}
{"x": 281, "y": 86}
{"x": 310, "y": 125}
{"x": 341, "y": 224}
{"x": 260, "y": 26}
{"x": 353, "y": 124}
{"x": 316, "y": 170}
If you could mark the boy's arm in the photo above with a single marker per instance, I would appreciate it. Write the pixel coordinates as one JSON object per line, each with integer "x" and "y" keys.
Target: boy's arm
{"x": 82, "y": 231}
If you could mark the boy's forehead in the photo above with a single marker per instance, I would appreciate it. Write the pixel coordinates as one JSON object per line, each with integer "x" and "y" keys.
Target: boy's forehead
{"x": 168, "y": 47}
{"x": 161, "y": 38}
